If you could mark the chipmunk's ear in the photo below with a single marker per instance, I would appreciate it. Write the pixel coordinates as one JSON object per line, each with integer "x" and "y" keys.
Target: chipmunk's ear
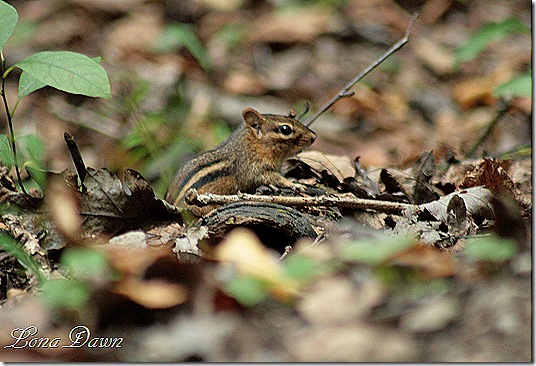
{"x": 254, "y": 120}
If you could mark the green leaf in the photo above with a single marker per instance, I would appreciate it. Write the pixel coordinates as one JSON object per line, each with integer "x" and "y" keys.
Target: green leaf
{"x": 520, "y": 86}
{"x": 67, "y": 294}
{"x": 247, "y": 290}
{"x": 39, "y": 175}
{"x": 6, "y": 156}
{"x": 31, "y": 150}
{"x": 8, "y": 21}
{"x": 179, "y": 35}
{"x": 300, "y": 267}
{"x": 84, "y": 263}
{"x": 487, "y": 34}
{"x": 375, "y": 251}
{"x": 14, "y": 248}
{"x": 490, "y": 248}
{"x": 68, "y": 71}
{"x": 231, "y": 34}
{"x": 28, "y": 84}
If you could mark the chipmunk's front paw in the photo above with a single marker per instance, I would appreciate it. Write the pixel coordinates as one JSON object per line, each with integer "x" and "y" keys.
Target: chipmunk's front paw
{"x": 299, "y": 188}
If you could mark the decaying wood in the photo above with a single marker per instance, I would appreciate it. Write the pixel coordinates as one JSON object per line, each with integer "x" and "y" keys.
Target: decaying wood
{"x": 286, "y": 220}
{"x": 478, "y": 200}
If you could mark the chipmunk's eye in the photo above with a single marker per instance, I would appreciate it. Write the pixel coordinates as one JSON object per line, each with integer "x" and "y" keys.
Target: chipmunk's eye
{"x": 285, "y": 129}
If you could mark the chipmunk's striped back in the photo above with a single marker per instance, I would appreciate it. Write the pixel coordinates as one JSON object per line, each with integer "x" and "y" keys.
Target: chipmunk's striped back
{"x": 252, "y": 156}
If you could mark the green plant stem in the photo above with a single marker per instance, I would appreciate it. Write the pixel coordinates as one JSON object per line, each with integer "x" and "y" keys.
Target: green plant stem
{"x": 4, "y": 73}
{"x": 503, "y": 109}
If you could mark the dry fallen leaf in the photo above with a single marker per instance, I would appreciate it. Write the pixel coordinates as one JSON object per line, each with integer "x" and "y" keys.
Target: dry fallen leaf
{"x": 63, "y": 208}
{"x": 434, "y": 263}
{"x": 109, "y": 206}
{"x": 153, "y": 294}
{"x": 470, "y": 92}
{"x": 292, "y": 26}
{"x": 339, "y": 166}
{"x": 338, "y": 299}
{"x": 245, "y": 82}
{"x": 133, "y": 261}
{"x": 477, "y": 201}
{"x": 491, "y": 174}
{"x": 431, "y": 315}
{"x": 245, "y": 251}
{"x": 136, "y": 33}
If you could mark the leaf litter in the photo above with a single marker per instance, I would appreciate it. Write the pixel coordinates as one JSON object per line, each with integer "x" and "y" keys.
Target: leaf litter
{"x": 418, "y": 242}
{"x": 377, "y": 287}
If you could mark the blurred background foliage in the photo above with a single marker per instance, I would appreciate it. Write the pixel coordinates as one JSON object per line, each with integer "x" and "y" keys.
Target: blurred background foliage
{"x": 182, "y": 71}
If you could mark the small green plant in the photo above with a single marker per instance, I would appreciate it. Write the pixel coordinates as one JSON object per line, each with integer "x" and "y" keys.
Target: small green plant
{"x": 83, "y": 267}
{"x": 519, "y": 85}
{"x": 490, "y": 248}
{"x": 67, "y": 71}
{"x": 178, "y": 35}
{"x": 10, "y": 245}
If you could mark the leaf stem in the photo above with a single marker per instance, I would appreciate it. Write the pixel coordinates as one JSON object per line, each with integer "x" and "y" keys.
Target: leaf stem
{"x": 4, "y": 73}
{"x": 7, "y": 71}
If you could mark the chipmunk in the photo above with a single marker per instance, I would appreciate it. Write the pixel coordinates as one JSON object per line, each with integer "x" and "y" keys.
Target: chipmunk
{"x": 251, "y": 157}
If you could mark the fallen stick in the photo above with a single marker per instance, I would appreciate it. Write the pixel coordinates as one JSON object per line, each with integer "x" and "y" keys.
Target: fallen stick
{"x": 192, "y": 197}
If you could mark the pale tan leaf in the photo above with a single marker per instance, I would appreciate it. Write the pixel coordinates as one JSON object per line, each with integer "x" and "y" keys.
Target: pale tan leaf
{"x": 245, "y": 251}
{"x": 339, "y": 166}
{"x": 153, "y": 294}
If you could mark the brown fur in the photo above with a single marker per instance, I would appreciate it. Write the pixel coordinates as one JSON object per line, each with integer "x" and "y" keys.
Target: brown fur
{"x": 252, "y": 156}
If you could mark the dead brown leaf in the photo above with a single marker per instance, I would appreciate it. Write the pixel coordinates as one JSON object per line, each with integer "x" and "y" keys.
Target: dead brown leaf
{"x": 287, "y": 26}
{"x": 133, "y": 261}
{"x": 339, "y": 300}
{"x": 63, "y": 207}
{"x": 479, "y": 89}
{"x": 245, "y": 82}
{"x": 134, "y": 34}
{"x": 491, "y": 174}
{"x": 339, "y": 166}
{"x": 244, "y": 250}
{"x": 432, "y": 262}
{"x": 107, "y": 207}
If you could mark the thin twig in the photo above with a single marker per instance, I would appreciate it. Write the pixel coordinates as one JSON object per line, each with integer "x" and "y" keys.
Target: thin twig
{"x": 10, "y": 122}
{"x": 194, "y": 198}
{"x": 288, "y": 249}
{"x": 345, "y": 92}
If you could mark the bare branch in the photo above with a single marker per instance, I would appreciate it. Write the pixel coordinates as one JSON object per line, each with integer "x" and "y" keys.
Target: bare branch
{"x": 194, "y": 198}
{"x": 345, "y": 92}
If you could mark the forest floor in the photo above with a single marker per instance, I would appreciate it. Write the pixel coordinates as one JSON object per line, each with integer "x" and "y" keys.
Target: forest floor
{"x": 448, "y": 116}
